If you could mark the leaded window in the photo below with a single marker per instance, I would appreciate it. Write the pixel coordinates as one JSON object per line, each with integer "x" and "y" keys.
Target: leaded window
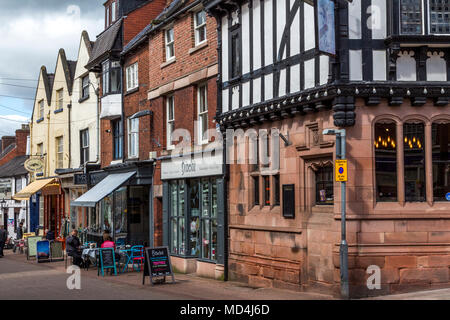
{"x": 385, "y": 145}
{"x": 414, "y": 161}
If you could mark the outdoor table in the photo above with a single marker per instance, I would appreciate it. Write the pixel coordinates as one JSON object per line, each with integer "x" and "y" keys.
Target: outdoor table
{"x": 126, "y": 253}
{"x": 90, "y": 254}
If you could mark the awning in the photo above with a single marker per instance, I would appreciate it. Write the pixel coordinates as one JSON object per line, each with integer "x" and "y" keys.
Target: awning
{"x": 31, "y": 189}
{"x": 102, "y": 189}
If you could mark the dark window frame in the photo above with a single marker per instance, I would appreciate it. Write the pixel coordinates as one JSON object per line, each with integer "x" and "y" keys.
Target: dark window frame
{"x": 117, "y": 132}
{"x": 107, "y": 77}
{"x": 319, "y": 173}
{"x": 385, "y": 150}
{"x": 425, "y": 18}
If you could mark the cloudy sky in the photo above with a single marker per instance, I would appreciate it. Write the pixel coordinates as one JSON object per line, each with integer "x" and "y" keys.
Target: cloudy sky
{"x": 31, "y": 33}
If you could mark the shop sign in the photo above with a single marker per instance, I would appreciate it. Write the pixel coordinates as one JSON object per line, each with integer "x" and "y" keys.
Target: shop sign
{"x": 34, "y": 165}
{"x": 192, "y": 166}
{"x": 51, "y": 189}
{"x": 79, "y": 178}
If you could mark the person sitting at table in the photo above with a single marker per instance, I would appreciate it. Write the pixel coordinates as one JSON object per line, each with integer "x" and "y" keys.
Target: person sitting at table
{"x": 108, "y": 242}
{"x": 73, "y": 248}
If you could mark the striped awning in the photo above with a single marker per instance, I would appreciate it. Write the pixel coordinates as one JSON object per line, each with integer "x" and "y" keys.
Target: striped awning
{"x": 32, "y": 188}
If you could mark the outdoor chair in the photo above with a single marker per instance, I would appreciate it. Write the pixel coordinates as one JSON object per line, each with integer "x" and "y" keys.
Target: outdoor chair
{"x": 137, "y": 254}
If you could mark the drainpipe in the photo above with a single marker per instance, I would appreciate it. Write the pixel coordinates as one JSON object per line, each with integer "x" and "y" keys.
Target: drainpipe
{"x": 69, "y": 107}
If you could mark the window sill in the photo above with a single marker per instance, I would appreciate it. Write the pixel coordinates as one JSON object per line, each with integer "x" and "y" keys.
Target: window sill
{"x": 81, "y": 100}
{"x": 40, "y": 120}
{"x": 168, "y": 62}
{"x": 58, "y": 110}
{"x": 132, "y": 91}
{"x": 198, "y": 47}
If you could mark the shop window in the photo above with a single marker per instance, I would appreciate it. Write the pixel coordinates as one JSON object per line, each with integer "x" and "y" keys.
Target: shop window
{"x": 117, "y": 139}
{"x": 256, "y": 190}
{"x": 107, "y": 213}
{"x": 324, "y": 186}
{"x": 441, "y": 160}
{"x": 177, "y": 218}
{"x": 120, "y": 213}
{"x": 266, "y": 180}
{"x": 386, "y": 161}
{"x": 194, "y": 222}
{"x": 414, "y": 161}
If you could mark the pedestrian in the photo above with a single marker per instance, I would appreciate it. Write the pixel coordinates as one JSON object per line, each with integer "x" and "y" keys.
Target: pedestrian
{"x": 3, "y": 236}
{"x": 18, "y": 237}
{"x": 50, "y": 235}
{"x": 73, "y": 248}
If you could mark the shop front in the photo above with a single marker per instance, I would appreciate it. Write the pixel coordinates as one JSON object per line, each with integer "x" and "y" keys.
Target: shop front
{"x": 193, "y": 214}
{"x": 119, "y": 203}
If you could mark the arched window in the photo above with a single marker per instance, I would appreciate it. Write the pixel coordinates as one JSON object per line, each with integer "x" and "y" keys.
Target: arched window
{"x": 414, "y": 161}
{"x": 385, "y": 144}
{"x": 441, "y": 160}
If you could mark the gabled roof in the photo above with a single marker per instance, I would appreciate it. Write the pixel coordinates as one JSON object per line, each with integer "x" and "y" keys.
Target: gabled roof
{"x": 47, "y": 79}
{"x": 87, "y": 42}
{"x": 69, "y": 69}
{"x": 104, "y": 44}
{"x": 14, "y": 167}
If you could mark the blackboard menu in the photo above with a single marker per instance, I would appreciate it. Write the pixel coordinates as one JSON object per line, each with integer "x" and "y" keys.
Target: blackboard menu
{"x": 107, "y": 258}
{"x": 157, "y": 263}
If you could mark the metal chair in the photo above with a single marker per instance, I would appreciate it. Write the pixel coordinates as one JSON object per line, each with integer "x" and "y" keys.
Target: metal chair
{"x": 137, "y": 254}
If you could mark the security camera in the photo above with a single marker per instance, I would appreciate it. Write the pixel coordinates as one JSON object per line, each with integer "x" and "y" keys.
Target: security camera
{"x": 329, "y": 132}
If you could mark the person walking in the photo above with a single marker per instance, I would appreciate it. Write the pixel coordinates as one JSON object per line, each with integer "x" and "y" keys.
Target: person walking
{"x": 18, "y": 237}
{"x": 3, "y": 236}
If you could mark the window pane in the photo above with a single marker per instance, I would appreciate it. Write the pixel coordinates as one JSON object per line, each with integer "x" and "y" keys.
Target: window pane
{"x": 386, "y": 161}
{"x": 256, "y": 190}
{"x": 276, "y": 186}
{"x": 115, "y": 80}
{"x": 174, "y": 236}
{"x": 206, "y": 239}
{"x": 214, "y": 199}
{"x": 181, "y": 198}
{"x": 324, "y": 186}
{"x": 267, "y": 191}
{"x": 205, "y": 198}
{"x": 411, "y": 16}
{"x": 439, "y": 16}
{"x": 181, "y": 236}
{"x": 441, "y": 160}
{"x": 414, "y": 159}
{"x": 235, "y": 55}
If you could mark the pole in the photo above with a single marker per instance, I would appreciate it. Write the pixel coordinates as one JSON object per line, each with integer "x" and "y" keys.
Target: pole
{"x": 344, "y": 246}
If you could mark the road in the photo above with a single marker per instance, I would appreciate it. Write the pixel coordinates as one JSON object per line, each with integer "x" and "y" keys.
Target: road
{"x": 22, "y": 279}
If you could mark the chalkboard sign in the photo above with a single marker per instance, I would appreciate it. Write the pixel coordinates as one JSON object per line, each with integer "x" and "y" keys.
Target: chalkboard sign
{"x": 32, "y": 246}
{"x": 107, "y": 260}
{"x": 157, "y": 264}
{"x": 56, "y": 250}
{"x": 43, "y": 251}
{"x": 289, "y": 201}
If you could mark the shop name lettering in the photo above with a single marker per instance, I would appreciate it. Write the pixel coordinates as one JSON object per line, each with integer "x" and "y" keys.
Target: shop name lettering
{"x": 157, "y": 253}
{"x": 187, "y": 167}
{"x": 236, "y": 309}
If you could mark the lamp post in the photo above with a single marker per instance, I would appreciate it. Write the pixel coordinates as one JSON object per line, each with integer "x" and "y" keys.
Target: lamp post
{"x": 343, "y": 251}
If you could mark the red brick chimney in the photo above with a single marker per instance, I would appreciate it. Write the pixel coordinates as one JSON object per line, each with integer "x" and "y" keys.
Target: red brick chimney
{"x": 21, "y": 139}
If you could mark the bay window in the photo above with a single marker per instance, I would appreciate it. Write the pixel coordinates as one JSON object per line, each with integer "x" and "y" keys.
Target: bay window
{"x": 386, "y": 161}
{"x": 424, "y": 17}
{"x": 111, "y": 77}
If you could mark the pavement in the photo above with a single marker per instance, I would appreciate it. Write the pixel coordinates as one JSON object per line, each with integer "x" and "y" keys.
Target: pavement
{"x": 49, "y": 281}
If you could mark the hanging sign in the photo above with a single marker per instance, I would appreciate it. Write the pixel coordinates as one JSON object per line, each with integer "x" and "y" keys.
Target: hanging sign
{"x": 157, "y": 264}
{"x": 341, "y": 170}
{"x": 325, "y": 26}
{"x": 33, "y": 165}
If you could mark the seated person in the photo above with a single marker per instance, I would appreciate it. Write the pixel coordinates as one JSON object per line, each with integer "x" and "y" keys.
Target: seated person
{"x": 50, "y": 235}
{"x": 108, "y": 243}
{"x": 73, "y": 248}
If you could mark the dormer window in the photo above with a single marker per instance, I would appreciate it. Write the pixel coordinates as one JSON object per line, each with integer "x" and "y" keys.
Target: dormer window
{"x": 418, "y": 17}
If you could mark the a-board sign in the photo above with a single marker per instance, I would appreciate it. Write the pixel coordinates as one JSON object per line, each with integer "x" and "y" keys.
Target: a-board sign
{"x": 32, "y": 246}
{"x": 157, "y": 264}
{"x": 107, "y": 258}
{"x": 56, "y": 250}
{"x": 43, "y": 250}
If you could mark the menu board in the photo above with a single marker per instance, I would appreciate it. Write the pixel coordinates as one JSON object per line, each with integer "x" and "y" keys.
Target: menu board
{"x": 32, "y": 246}
{"x": 56, "y": 250}
{"x": 107, "y": 258}
{"x": 157, "y": 264}
{"x": 43, "y": 250}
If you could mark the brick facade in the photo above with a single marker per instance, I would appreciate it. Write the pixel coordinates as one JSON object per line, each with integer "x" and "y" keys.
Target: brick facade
{"x": 20, "y": 141}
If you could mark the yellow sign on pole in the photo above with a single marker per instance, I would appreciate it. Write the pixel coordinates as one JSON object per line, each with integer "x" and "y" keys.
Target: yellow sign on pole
{"x": 341, "y": 170}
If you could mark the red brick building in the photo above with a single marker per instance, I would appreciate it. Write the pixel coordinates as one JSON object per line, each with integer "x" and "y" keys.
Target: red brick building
{"x": 176, "y": 59}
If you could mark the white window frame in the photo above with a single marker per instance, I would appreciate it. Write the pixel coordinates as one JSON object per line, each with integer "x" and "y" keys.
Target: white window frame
{"x": 169, "y": 43}
{"x": 199, "y": 27}
{"x": 107, "y": 17}
{"x": 41, "y": 109}
{"x": 170, "y": 122}
{"x": 84, "y": 144}
{"x": 59, "y": 152}
{"x": 113, "y": 11}
{"x": 202, "y": 113}
{"x": 59, "y": 99}
{"x": 132, "y": 76}
{"x": 133, "y": 138}
{"x": 84, "y": 86}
